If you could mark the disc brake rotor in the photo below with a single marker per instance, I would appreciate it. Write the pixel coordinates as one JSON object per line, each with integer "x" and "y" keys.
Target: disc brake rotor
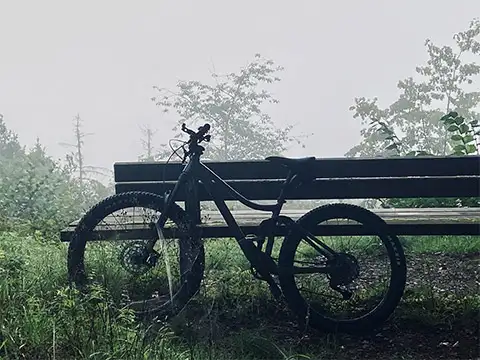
{"x": 133, "y": 258}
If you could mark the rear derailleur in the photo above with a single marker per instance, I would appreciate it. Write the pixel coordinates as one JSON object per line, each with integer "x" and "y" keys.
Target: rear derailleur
{"x": 346, "y": 270}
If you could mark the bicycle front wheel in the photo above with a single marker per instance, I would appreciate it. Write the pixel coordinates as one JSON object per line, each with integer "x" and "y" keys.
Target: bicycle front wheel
{"x": 365, "y": 282}
{"x": 108, "y": 248}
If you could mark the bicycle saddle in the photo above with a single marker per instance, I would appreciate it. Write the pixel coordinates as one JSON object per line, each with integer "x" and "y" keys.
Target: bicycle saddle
{"x": 296, "y": 165}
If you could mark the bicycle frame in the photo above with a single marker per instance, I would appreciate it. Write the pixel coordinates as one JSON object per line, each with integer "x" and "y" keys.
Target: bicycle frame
{"x": 196, "y": 171}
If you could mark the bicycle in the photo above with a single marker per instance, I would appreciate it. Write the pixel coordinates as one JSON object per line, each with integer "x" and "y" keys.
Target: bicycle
{"x": 340, "y": 269}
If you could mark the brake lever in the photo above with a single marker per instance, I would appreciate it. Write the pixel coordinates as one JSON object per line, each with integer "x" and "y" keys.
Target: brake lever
{"x": 205, "y": 138}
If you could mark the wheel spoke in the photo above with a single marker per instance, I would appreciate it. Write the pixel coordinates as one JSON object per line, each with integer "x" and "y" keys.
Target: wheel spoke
{"x": 350, "y": 286}
{"x": 120, "y": 265}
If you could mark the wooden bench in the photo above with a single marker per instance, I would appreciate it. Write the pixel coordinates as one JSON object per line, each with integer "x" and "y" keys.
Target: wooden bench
{"x": 342, "y": 178}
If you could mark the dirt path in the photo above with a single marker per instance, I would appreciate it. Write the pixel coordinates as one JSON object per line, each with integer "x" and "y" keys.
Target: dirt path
{"x": 444, "y": 328}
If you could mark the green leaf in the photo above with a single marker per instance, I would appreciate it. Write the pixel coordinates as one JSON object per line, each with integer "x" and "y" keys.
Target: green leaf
{"x": 474, "y": 122}
{"x": 471, "y": 149}
{"x": 453, "y": 128}
{"x": 466, "y": 139}
{"x": 459, "y": 148}
{"x": 449, "y": 121}
{"x": 464, "y": 128}
{"x": 459, "y": 120}
{"x": 456, "y": 137}
{"x": 458, "y": 153}
{"x": 453, "y": 114}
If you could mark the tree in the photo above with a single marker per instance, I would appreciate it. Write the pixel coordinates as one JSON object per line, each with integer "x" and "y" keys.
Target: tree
{"x": 9, "y": 144}
{"x": 232, "y": 104}
{"x": 75, "y": 159}
{"x": 76, "y": 164}
{"x": 444, "y": 86}
{"x": 35, "y": 191}
{"x": 38, "y": 192}
{"x": 147, "y": 143}
{"x": 463, "y": 133}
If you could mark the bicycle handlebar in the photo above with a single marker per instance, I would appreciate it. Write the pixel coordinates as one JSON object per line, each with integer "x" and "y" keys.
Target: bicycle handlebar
{"x": 196, "y": 136}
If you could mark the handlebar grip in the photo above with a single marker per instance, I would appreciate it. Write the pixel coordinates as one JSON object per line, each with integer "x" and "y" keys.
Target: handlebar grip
{"x": 187, "y": 130}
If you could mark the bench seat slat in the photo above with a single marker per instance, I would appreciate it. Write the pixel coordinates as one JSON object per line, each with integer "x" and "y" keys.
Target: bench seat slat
{"x": 322, "y": 168}
{"x": 447, "y": 221}
{"x": 332, "y": 188}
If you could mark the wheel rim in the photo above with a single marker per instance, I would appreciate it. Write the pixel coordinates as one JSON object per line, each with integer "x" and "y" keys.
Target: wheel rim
{"x": 367, "y": 299}
{"x": 109, "y": 263}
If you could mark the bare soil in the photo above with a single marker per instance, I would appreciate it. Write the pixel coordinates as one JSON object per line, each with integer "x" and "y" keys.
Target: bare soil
{"x": 432, "y": 322}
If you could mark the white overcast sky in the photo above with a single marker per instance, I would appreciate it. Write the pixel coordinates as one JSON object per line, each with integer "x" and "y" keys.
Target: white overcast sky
{"x": 101, "y": 58}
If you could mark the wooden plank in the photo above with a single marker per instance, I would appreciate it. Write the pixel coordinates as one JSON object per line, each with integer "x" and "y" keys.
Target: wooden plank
{"x": 448, "y": 221}
{"x": 218, "y": 231}
{"x": 322, "y": 168}
{"x": 359, "y": 188}
{"x": 434, "y": 215}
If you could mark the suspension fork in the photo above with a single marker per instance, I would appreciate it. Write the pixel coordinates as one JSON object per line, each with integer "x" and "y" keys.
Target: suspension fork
{"x": 169, "y": 199}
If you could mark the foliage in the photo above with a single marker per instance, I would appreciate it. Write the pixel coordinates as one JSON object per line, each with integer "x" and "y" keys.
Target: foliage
{"x": 444, "y": 85}
{"x": 233, "y": 104}
{"x": 9, "y": 144}
{"x": 463, "y": 135}
{"x": 415, "y": 124}
{"x": 39, "y": 194}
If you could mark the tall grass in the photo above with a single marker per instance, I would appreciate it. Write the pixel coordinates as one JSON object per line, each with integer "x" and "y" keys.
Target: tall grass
{"x": 234, "y": 316}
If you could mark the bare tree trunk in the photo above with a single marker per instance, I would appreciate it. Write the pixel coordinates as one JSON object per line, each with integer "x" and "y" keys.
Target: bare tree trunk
{"x": 79, "y": 148}
{"x": 147, "y": 143}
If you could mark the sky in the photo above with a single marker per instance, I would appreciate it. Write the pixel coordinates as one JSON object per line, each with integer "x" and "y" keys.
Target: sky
{"x": 101, "y": 59}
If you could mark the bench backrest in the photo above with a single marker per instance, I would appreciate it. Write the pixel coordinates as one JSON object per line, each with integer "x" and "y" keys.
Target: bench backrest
{"x": 337, "y": 178}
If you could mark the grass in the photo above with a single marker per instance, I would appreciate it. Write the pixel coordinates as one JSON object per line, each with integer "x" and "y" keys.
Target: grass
{"x": 445, "y": 244}
{"x": 234, "y": 316}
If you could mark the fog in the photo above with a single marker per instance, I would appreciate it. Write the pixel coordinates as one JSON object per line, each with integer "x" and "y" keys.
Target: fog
{"x": 101, "y": 59}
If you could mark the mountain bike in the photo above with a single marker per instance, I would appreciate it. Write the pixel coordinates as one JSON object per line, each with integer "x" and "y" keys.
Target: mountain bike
{"x": 302, "y": 259}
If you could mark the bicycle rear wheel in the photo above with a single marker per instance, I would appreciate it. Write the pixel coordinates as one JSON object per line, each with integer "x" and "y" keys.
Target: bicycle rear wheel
{"x": 115, "y": 232}
{"x": 361, "y": 262}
